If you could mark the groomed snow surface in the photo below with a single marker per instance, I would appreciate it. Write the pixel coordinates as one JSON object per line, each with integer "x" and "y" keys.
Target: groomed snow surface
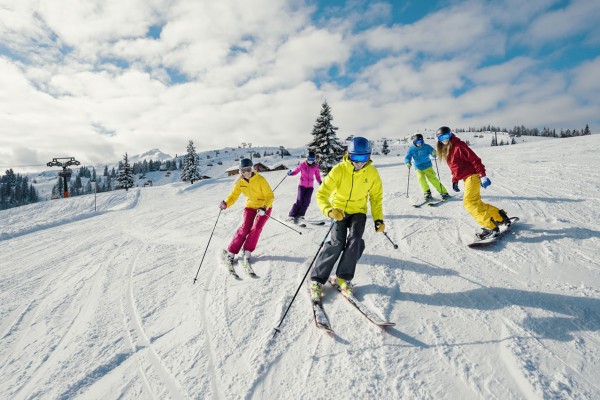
{"x": 102, "y": 305}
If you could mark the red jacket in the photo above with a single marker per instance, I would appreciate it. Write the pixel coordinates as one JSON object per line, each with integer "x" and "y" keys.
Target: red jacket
{"x": 463, "y": 161}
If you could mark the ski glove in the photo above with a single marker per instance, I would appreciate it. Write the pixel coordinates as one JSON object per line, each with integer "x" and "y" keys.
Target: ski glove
{"x": 408, "y": 165}
{"x": 223, "y": 205}
{"x": 455, "y": 187}
{"x": 261, "y": 211}
{"x": 433, "y": 155}
{"x": 289, "y": 172}
{"x": 336, "y": 214}
{"x": 379, "y": 226}
{"x": 485, "y": 182}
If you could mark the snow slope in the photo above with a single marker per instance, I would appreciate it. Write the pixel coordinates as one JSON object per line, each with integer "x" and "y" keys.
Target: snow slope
{"x": 102, "y": 305}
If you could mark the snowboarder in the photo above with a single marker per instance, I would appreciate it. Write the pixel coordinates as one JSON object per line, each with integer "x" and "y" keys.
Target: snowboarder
{"x": 309, "y": 171}
{"x": 343, "y": 197}
{"x": 465, "y": 165}
{"x": 422, "y": 153}
{"x": 259, "y": 201}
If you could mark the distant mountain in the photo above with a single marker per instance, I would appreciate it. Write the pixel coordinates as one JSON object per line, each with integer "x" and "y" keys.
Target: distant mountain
{"x": 154, "y": 154}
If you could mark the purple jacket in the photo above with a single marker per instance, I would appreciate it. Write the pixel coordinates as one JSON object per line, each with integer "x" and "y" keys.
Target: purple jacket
{"x": 307, "y": 174}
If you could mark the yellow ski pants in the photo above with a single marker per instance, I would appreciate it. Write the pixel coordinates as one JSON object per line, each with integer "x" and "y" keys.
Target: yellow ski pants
{"x": 482, "y": 212}
{"x": 428, "y": 174}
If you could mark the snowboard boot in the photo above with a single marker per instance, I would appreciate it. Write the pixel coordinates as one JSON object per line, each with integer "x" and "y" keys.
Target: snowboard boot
{"x": 316, "y": 291}
{"x": 487, "y": 233}
{"x": 505, "y": 219}
{"x": 427, "y": 195}
{"x": 445, "y": 196}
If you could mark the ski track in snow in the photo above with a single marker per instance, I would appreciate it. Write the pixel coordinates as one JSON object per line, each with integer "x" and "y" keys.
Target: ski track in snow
{"x": 102, "y": 305}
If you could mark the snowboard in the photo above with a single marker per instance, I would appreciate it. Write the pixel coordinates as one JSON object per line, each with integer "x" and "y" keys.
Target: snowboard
{"x": 483, "y": 243}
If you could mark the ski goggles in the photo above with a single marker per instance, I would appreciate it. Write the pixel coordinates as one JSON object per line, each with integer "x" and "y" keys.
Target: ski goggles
{"x": 359, "y": 157}
{"x": 445, "y": 136}
{"x": 246, "y": 169}
{"x": 310, "y": 159}
{"x": 420, "y": 141}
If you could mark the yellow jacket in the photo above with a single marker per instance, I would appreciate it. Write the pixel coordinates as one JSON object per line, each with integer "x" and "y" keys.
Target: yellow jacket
{"x": 348, "y": 190}
{"x": 257, "y": 191}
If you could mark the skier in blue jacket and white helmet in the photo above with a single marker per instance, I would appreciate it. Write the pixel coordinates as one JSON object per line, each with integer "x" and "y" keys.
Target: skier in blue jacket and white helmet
{"x": 422, "y": 153}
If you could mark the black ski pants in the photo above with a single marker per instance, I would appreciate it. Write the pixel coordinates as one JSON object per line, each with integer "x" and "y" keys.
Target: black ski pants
{"x": 345, "y": 240}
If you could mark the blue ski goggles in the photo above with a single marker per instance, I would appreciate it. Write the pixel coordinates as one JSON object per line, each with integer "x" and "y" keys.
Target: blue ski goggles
{"x": 310, "y": 159}
{"x": 420, "y": 141}
{"x": 445, "y": 136}
{"x": 359, "y": 157}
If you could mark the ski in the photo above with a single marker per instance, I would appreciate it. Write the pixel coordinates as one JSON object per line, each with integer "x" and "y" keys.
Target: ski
{"x": 232, "y": 272}
{"x": 483, "y": 243}
{"x": 248, "y": 269}
{"x": 364, "y": 310}
{"x": 418, "y": 205}
{"x": 438, "y": 202}
{"x": 320, "y": 318}
{"x": 315, "y": 222}
{"x": 229, "y": 267}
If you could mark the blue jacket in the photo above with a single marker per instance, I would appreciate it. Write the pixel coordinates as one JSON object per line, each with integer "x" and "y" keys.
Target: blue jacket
{"x": 421, "y": 156}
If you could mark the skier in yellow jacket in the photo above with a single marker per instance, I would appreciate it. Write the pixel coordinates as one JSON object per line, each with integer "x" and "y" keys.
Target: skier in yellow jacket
{"x": 259, "y": 202}
{"x": 343, "y": 196}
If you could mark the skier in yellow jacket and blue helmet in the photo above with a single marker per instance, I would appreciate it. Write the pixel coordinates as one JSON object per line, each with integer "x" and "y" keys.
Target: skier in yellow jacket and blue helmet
{"x": 343, "y": 196}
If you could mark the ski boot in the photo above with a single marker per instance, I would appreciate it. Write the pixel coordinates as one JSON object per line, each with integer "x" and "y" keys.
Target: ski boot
{"x": 316, "y": 291}
{"x": 346, "y": 286}
{"x": 445, "y": 196}
{"x": 228, "y": 258}
{"x": 427, "y": 196}
{"x": 246, "y": 263}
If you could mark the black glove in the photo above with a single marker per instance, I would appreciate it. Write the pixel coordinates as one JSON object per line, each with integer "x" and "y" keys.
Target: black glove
{"x": 261, "y": 211}
{"x": 379, "y": 226}
{"x": 455, "y": 187}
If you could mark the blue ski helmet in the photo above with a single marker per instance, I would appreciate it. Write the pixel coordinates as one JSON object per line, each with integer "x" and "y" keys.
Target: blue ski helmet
{"x": 444, "y": 133}
{"x": 245, "y": 163}
{"x": 418, "y": 139}
{"x": 359, "y": 149}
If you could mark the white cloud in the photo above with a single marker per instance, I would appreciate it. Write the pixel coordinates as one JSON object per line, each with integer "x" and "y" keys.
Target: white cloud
{"x": 576, "y": 18}
{"x": 82, "y": 78}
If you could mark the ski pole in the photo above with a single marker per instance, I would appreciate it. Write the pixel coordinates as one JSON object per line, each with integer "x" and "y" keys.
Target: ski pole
{"x": 280, "y": 182}
{"x": 407, "y": 182}
{"x": 284, "y": 224}
{"x": 303, "y": 279}
{"x": 394, "y": 244}
{"x": 438, "y": 175}
{"x": 211, "y": 235}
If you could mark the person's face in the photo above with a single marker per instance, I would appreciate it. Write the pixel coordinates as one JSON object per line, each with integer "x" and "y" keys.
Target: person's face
{"x": 246, "y": 172}
{"x": 358, "y": 165}
{"x": 445, "y": 142}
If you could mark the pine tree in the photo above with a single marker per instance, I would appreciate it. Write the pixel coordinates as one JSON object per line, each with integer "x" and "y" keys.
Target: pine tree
{"x": 325, "y": 143}
{"x": 189, "y": 171}
{"x": 385, "y": 149}
{"x": 125, "y": 175}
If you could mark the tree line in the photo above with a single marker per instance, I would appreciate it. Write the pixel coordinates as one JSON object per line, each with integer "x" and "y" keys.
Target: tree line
{"x": 519, "y": 131}
{"x": 15, "y": 190}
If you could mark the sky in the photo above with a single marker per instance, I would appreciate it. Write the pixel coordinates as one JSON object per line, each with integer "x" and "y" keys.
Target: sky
{"x": 103, "y": 305}
{"x": 97, "y": 79}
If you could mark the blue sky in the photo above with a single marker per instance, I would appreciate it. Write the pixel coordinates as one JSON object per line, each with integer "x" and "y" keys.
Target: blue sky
{"x": 96, "y": 79}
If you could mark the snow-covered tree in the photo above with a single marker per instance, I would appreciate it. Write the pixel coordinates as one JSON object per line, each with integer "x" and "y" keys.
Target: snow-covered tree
{"x": 325, "y": 142}
{"x": 385, "y": 149}
{"x": 125, "y": 175}
{"x": 189, "y": 171}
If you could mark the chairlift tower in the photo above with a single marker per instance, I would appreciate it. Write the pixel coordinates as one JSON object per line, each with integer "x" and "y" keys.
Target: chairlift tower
{"x": 66, "y": 171}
